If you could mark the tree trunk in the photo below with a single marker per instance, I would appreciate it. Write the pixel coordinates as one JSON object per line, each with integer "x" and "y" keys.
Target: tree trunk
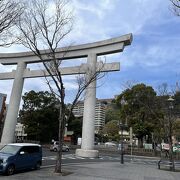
{"x": 140, "y": 142}
{"x": 58, "y": 167}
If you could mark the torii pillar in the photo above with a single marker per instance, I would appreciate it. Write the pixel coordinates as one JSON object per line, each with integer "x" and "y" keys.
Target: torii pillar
{"x": 87, "y": 147}
{"x": 13, "y": 107}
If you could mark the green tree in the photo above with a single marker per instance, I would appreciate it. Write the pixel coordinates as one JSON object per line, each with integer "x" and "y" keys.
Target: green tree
{"x": 39, "y": 114}
{"x": 176, "y": 129}
{"x": 111, "y": 130}
{"x": 139, "y": 109}
{"x": 112, "y": 114}
{"x": 176, "y": 112}
{"x": 169, "y": 109}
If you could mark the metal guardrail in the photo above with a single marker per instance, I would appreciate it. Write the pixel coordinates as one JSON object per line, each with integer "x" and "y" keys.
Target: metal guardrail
{"x": 167, "y": 163}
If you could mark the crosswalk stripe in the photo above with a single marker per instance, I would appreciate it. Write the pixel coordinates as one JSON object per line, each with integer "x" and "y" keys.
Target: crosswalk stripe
{"x": 73, "y": 157}
{"x": 78, "y": 157}
{"x": 53, "y": 158}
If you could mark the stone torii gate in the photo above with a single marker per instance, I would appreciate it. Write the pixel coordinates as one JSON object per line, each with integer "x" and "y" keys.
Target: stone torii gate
{"x": 91, "y": 51}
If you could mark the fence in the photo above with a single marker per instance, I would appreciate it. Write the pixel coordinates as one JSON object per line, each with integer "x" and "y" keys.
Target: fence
{"x": 135, "y": 151}
{"x": 139, "y": 152}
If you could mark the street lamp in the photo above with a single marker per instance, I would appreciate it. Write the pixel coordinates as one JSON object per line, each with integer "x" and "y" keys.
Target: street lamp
{"x": 170, "y": 123}
{"x": 121, "y": 127}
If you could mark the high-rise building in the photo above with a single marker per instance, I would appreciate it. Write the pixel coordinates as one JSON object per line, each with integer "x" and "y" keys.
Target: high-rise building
{"x": 19, "y": 132}
{"x": 99, "y": 113}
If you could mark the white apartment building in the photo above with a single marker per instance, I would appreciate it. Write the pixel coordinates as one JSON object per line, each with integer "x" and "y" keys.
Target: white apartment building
{"x": 99, "y": 113}
{"x": 99, "y": 116}
{"x": 20, "y": 132}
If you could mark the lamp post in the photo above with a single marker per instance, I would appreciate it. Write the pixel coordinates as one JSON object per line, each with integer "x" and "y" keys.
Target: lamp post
{"x": 170, "y": 123}
{"x": 121, "y": 126}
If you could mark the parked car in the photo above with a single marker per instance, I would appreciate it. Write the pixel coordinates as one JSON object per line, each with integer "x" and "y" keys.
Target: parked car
{"x": 20, "y": 156}
{"x": 110, "y": 144}
{"x": 55, "y": 146}
{"x": 120, "y": 147}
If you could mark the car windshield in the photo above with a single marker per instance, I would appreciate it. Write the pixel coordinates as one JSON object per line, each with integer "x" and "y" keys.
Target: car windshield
{"x": 10, "y": 149}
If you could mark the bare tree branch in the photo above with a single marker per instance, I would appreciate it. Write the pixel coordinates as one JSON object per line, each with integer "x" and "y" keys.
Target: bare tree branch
{"x": 162, "y": 89}
{"x": 176, "y": 3}
{"x": 176, "y": 7}
{"x": 9, "y": 12}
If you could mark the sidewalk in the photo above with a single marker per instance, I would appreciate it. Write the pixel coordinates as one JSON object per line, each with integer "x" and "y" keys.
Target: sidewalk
{"x": 99, "y": 171}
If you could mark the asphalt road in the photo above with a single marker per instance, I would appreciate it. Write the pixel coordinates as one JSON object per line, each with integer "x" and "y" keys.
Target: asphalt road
{"x": 49, "y": 158}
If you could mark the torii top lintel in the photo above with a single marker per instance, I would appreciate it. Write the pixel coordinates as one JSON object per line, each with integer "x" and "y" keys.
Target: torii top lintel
{"x": 108, "y": 46}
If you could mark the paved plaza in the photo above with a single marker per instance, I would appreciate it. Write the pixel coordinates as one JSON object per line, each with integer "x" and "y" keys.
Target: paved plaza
{"x": 100, "y": 171}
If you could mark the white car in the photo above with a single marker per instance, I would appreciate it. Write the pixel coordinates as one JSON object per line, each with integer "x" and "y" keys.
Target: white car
{"x": 110, "y": 144}
{"x": 55, "y": 145}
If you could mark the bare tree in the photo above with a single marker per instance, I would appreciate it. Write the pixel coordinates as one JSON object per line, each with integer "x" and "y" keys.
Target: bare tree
{"x": 169, "y": 119}
{"x": 40, "y": 29}
{"x": 176, "y": 7}
{"x": 129, "y": 84}
{"x": 9, "y": 12}
{"x": 162, "y": 89}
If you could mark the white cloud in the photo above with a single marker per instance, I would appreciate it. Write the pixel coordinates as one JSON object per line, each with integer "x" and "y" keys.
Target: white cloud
{"x": 97, "y": 20}
{"x": 13, "y": 48}
{"x": 154, "y": 48}
{"x": 98, "y": 8}
{"x": 8, "y": 68}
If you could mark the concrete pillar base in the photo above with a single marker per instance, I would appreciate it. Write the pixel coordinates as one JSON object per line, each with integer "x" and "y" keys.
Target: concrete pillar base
{"x": 87, "y": 153}
{"x": 2, "y": 145}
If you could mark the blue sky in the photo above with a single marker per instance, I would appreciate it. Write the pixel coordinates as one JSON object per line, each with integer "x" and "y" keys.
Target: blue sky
{"x": 153, "y": 58}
